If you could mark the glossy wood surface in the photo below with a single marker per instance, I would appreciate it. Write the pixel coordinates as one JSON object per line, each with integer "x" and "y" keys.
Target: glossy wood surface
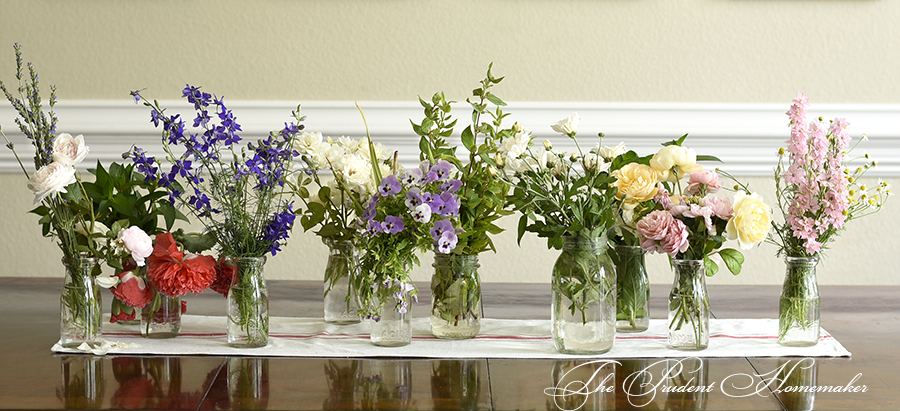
{"x": 865, "y": 319}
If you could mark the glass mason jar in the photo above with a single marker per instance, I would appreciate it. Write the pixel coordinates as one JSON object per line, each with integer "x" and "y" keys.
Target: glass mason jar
{"x": 798, "y": 312}
{"x": 248, "y": 304}
{"x": 83, "y": 385}
{"x": 584, "y": 297}
{"x": 456, "y": 384}
{"x": 161, "y": 317}
{"x": 455, "y": 296}
{"x": 387, "y": 386}
{"x": 79, "y": 304}
{"x": 689, "y": 307}
{"x": 340, "y": 298}
{"x": 393, "y": 327}
{"x": 633, "y": 290}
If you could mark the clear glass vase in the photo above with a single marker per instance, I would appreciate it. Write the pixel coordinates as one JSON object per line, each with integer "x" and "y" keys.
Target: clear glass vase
{"x": 393, "y": 327}
{"x": 79, "y": 304}
{"x": 161, "y": 317}
{"x": 801, "y": 376}
{"x": 455, "y": 296}
{"x": 248, "y": 383}
{"x": 340, "y": 298}
{"x": 248, "y": 304}
{"x": 798, "y": 312}
{"x": 689, "y": 307}
{"x": 687, "y": 384}
{"x": 83, "y": 385}
{"x": 633, "y": 290}
{"x": 456, "y": 384}
{"x": 584, "y": 297}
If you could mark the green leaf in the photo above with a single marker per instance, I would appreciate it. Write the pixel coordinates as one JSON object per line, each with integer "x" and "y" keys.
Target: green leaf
{"x": 711, "y": 267}
{"x": 468, "y": 139}
{"x": 496, "y": 100}
{"x": 523, "y": 223}
{"x": 733, "y": 259}
{"x": 708, "y": 158}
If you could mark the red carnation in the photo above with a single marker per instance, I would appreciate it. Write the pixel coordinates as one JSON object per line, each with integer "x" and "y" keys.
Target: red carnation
{"x": 174, "y": 273}
{"x": 224, "y": 277}
{"x": 132, "y": 290}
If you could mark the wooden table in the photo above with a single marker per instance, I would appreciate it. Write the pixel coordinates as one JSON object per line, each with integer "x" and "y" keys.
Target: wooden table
{"x": 865, "y": 319}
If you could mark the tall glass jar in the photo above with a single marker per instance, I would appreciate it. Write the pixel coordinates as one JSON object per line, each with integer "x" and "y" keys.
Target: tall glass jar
{"x": 393, "y": 328}
{"x": 455, "y": 296}
{"x": 161, "y": 317}
{"x": 687, "y": 384}
{"x": 584, "y": 297}
{"x": 689, "y": 307}
{"x": 79, "y": 304}
{"x": 248, "y": 304}
{"x": 798, "y": 312}
{"x": 83, "y": 385}
{"x": 340, "y": 298}
{"x": 633, "y": 290}
{"x": 248, "y": 383}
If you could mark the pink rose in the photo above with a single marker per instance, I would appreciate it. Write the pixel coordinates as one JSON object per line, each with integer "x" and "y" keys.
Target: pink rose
{"x": 701, "y": 179}
{"x": 69, "y": 150}
{"x": 676, "y": 240}
{"x": 136, "y": 242}
{"x": 655, "y": 226}
{"x": 721, "y": 207}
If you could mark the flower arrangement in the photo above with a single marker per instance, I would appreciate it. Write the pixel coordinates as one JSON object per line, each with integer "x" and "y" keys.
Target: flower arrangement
{"x": 482, "y": 194}
{"x": 818, "y": 193}
{"x": 81, "y": 216}
{"x": 565, "y": 196}
{"x": 335, "y": 205}
{"x": 816, "y": 188}
{"x": 236, "y": 192}
{"x": 411, "y": 212}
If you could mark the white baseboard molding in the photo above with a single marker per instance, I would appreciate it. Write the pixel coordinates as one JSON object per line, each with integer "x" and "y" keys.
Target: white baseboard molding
{"x": 744, "y": 136}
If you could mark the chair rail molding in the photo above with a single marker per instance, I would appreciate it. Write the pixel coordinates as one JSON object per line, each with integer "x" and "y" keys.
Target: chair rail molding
{"x": 744, "y": 136}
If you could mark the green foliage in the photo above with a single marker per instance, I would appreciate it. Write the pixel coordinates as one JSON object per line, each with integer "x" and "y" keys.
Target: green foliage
{"x": 483, "y": 194}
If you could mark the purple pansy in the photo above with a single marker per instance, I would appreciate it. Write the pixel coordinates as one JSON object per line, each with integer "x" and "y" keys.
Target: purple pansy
{"x": 392, "y": 224}
{"x": 441, "y": 170}
{"x": 440, "y": 227}
{"x": 449, "y": 205}
{"x": 389, "y": 186}
{"x": 451, "y": 186}
{"x": 446, "y": 242}
{"x": 414, "y": 198}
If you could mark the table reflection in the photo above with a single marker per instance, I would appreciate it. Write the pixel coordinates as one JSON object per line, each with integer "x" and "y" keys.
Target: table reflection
{"x": 248, "y": 383}
{"x": 795, "y": 384}
{"x": 582, "y": 385}
{"x": 687, "y": 384}
{"x": 82, "y": 382}
{"x": 456, "y": 384}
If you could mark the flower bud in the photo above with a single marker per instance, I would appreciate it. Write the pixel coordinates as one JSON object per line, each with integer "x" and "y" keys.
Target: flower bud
{"x": 518, "y": 127}
{"x": 548, "y": 145}
{"x": 781, "y": 151}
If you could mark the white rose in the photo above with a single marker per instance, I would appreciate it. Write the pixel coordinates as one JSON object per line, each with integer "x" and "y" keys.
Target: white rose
{"x": 515, "y": 146}
{"x": 69, "y": 151}
{"x": 751, "y": 221}
{"x": 136, "y": 242}
{"x": 308, "y": 143}
{"x": 333, "y": 156}
{"x": 673, "y": 156}
{"x": 51, "y": 179}
{"x": 610, "y": 153}
{"x": 567, "y": 126}
{"x": 357, "y": 171}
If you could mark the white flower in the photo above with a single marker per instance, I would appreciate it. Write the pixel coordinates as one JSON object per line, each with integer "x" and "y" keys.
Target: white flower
{"x": 333, "y": 156}
{"x": 538, "y": 159}
{"x": 422, "y": 213}
{"x": 106, "y": 280}
{"x": 610, "y": 153}
{"x": 308, "y": 143}
{"x": 515, "y": 146}
{"x": 595, "y": 163}
{"x": 69, "y": 151}
{"x": 51, "y": 179}
{"x": 136, "y": 242}
{"x": 357, "y": 172}
{"x": 381, "y": 152}
{"x": 670, "y": 157}
{"x": 567, "y": 126}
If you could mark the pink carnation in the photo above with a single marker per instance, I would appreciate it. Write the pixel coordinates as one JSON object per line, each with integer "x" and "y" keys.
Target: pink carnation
{"x": 662, "y": 233}
{"x": 721, "y": 207}
{"x": 702, "y": 179}
{"x": 676, "y": 240}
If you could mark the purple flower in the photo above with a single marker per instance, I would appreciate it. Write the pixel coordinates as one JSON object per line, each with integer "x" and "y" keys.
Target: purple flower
{"x": 374, "y": 228}
{"x": 414, "y": 198}
{"x": 279, "y": 228}
{"x": 449, "y": 205}
{"x": 440, "y": 227}
{"x": 446, "y": 242}
{"x": 412, "y": 178}
{"x": 389, "y": 186}
{"x": 442, "y": 170}
{"x": 392, "y": 224}
{"x": 451, "y": 186}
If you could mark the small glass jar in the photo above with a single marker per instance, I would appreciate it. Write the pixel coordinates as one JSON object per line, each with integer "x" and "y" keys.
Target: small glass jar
{"x": 584, "y": 297}
{"x": 79, "y": 304}
{"x": 161, "y": 317}
{"x": 798, "y": 311}
{"x": 340, "y": 297}
{"x": 248, "y": 304}
{"x": 689, "y": 307}
{"x": 455, "y": 296}
{"x": 394, "y": 326}
{"x": 633, "y": 290}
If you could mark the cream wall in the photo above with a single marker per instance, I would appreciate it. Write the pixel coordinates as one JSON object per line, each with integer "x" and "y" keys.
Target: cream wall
{"x": 736, "y": 51}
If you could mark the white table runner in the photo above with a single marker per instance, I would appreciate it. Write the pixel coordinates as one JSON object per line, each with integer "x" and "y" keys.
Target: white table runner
{"x": 499, "y": 338}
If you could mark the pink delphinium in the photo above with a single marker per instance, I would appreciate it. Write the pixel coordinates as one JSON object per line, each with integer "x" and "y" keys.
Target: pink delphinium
{"x": 820, "y": 197}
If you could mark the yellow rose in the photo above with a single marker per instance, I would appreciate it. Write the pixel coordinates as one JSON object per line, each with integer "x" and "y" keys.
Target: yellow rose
{"x": 636, "y": 183}
{"x": 682, "y": 159}
{"x": 751, "y": 220}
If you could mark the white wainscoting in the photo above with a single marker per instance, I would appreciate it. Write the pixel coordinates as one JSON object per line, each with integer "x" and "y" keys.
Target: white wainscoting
{"x": 744, "y": 136}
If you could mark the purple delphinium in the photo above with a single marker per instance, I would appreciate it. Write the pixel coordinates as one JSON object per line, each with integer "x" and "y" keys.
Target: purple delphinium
{"x": 392, "y": 224}
{"x": 389, "y": 186}
{"x": 279, "y": 228}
